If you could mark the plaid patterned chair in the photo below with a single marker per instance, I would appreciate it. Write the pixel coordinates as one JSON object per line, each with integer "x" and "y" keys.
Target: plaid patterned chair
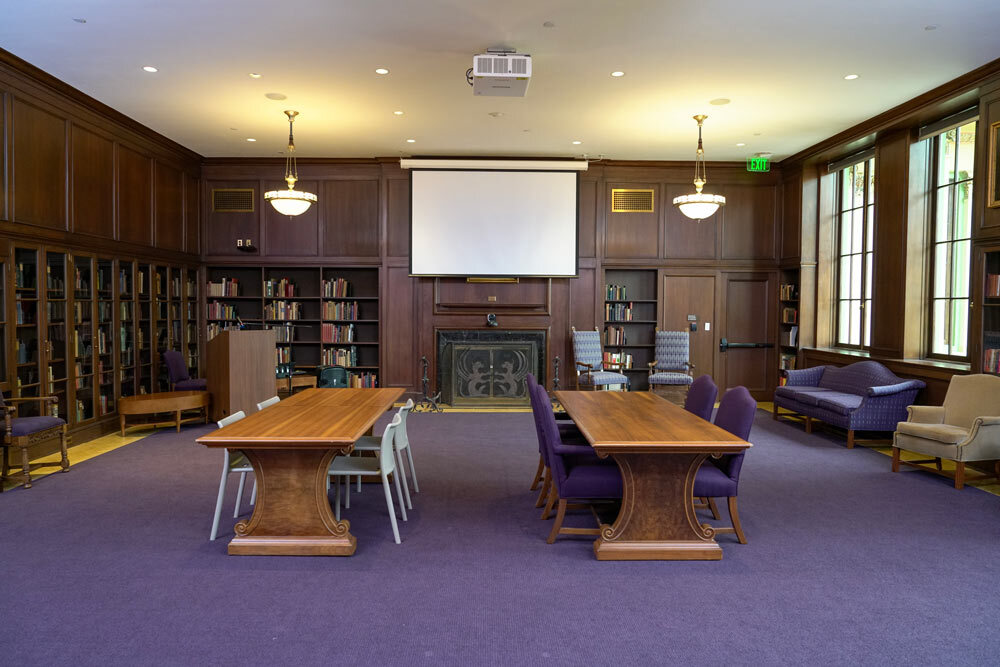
{"x": 22, "y": 432}
{"x": 589, "y": 357}
{"x": 671, "y": 370}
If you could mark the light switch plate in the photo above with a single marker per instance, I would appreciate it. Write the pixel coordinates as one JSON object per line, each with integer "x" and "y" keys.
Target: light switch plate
{"x": 708, "y": 326}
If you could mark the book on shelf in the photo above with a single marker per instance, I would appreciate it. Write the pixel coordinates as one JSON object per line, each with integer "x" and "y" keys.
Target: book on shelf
{"x": 615, "y": 293}
{"x": 615, "y": 336}
{"x": 787, "y": 362}
{"x": 340, "y": 310}
{"x": 991, "y": 360}
{"x": 337, "y": 333}
{"x": 790, "y": 338}
{"x": 338, "y": 287}
{"x": 283, "y": 310}
{"x": 221, "y": 311}
{"x": 279, "y": 288}
{"x": 788, "y": 292}
{"x": 993, "y": 284}
{"x": 282, "y": 355}
{"x": 617, "y": 360}
{"x": 618, "y": 312}
{"x": 338, "y": 356}
{"x": 789, "y": 315}
{"x": 225, "y": 287}
{"x": 364, "y": 380}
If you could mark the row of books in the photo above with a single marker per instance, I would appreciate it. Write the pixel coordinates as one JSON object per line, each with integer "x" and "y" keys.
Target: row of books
{"x": 617, "y": 360}
{"x": 789, "y": 315}
{"x": 283, "y": 310}
{"x": 284, "y": 334}
{"x": 24, "y": 275}
{"x": 221, "y": 311}
{"x": 282, "y": 355}
{"x": 364, "y": 380}
{"x": 103, "y": 280}
{"x": 81, "y": 281}
{"x": 336, "y": 288}
{"x": 615, "y": 293}
{"x": 225, "y": 287}
{"x": 340, "y": 310}
{"x": 787, "y": 362}
{"x": 125, "y": 312}
{"x": 25, "y": 352}
{"x": 104, "y": 311}
{"x": 618, "y": 312}
{"x": 790, "y": 338}
{"x": 338, "y": 333}
{"x": 991, "y": 360}
{"x": 338, "y": 356}
{"x": 615, "y": 336}
{"x": 81, "y": 312}
{"x": 104, "y": 345}
{"x": 24, "y": 313}
{"x": 54, "y": 283}
{"x": 992, "y": 284}
{"x": 282, "y": 288}
{"x": 788, "y": 292}
{"x": 124, "y": 281}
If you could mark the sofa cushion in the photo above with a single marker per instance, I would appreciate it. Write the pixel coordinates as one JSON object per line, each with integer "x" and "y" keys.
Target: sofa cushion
{"x": 843, "y": 404}
{"x": 670, "y": 378}
{"x": 29, "y": 425}
{"x": 806, "y": 395}
{"x": 943, "y": 433}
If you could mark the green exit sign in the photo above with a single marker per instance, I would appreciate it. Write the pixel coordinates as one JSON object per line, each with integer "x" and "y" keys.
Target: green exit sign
{"x": 758, "y": 163}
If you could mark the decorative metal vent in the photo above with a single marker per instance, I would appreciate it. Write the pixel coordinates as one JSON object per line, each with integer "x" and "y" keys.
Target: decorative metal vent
{"x": 631, "y": 201}
{"x": 232, "y": 200}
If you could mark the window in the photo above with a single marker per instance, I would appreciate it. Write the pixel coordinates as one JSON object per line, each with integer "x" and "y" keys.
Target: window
{"x": 953, "y": 154}
{"x": 855, "y": 236}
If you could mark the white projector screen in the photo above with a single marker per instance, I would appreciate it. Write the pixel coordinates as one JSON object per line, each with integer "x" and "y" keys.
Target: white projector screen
{"x": 493, "y": 223}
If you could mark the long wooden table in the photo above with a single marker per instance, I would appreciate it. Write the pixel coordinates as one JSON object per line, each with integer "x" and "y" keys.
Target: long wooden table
{"x": 290, "y": 446}
{"x": 658, "y": 447}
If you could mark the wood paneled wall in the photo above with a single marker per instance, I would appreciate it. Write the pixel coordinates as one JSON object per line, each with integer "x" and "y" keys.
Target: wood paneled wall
{"x": 362, "y": 218}
{"x": 80, "y": 174}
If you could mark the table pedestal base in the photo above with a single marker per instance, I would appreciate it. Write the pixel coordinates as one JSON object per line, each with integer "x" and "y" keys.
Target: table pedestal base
{"x": 657, "y": 520}
{"x": 292, "y": 516}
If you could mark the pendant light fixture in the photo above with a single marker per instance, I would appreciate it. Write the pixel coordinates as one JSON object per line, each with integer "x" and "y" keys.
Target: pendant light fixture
{"x": 699, "y": 205}
{"x": 291, "y": 201}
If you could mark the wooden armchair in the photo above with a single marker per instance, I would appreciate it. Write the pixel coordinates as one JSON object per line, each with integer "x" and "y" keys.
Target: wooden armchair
{"x": 23, "y": 432}
{"x": 591, "y": 369}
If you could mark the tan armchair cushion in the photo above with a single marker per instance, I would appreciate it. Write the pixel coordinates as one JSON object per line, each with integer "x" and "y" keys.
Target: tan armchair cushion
{"x": 944, "y": 433}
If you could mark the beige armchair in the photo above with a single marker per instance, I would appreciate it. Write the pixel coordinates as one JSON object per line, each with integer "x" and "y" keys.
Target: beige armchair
{"x": 966, "y": 428}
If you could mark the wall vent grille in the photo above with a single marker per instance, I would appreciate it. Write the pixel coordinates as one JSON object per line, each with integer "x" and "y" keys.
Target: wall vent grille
{"x": 232, "y": 200}
{"x": 625, "y": 200}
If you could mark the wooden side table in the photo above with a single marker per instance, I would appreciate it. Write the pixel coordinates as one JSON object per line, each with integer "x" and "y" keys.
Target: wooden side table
{"x": 167, "y": 401}
{"x": 290, "y": 383}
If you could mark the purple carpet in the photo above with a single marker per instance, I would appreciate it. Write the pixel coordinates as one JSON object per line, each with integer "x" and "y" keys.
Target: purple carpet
{"x": 847, "y": 563}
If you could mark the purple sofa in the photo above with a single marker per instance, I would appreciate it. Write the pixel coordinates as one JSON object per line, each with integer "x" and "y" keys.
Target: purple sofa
{"x": 865, "y": 396}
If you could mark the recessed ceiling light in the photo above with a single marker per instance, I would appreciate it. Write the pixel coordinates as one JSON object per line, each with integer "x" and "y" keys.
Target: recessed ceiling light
{"x": 80, "y": 20}
{"x": 149, "y": 68}
{"x": 926, "y": 27}
{"x": 741, "y": 144}
{"x": 548, "y": 24}
{"x": 577, "y": 142}
{"x": 617, "y": 73}
{"x": 756, "y": 134}
{"x": 720, "y": 101}
{"x": 397, "y": 113}
{"x": 381, "y": 70}
{"x": 411, "y": 141}
{"x": 851, "y": 77}
{"x": 276, "y": 96}
{"x": 251, "y": 139}
{"x": 496, "y": 114}
{"x": 255, "y": 75}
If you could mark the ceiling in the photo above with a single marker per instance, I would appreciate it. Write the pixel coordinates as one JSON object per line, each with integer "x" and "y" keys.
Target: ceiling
{"x": 781, "y": 63}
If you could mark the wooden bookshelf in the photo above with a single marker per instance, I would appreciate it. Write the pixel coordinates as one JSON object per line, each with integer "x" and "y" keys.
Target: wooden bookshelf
{"x": 320, "y": 315}
{"x": 630, "y": 318}
{"x": 788, "y": 321}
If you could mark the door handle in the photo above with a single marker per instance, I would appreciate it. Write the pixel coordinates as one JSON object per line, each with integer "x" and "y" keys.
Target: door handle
{"x": 725, "y": 345}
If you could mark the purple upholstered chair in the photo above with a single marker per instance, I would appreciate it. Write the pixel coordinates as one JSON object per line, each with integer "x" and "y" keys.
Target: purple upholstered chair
{"x": 568, "y": 432}
{"x": 701, "y": 397}
{"x": 718, "y": 478}
{"x": 22, "y": 432}
{"x": 177, "y": 373}
{"x": 573, "y": 476}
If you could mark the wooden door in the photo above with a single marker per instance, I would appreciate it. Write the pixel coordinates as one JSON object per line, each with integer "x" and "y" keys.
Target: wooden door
{"x": 748, "y": 317}
{"x": 684, "y": 297}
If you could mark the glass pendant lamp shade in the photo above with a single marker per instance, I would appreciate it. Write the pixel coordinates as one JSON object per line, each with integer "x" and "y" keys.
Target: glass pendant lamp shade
{"x": 699, "y": 205}
{"x": 290, "y": 202}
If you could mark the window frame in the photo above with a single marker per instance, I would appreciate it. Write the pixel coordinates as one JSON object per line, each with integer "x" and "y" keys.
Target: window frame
{"x": 935, "y": 188}
{"x": 868, "y": 161}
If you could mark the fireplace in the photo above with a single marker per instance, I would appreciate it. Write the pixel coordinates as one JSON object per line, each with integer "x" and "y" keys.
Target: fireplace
{"x": 488, "y": 368}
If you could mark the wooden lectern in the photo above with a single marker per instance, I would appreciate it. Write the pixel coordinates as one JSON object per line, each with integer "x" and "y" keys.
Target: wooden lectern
{"x": 241, "y": 371}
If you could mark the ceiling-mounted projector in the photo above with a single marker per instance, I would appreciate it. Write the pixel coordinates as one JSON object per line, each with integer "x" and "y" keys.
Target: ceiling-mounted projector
{"x": 501, "y": 74}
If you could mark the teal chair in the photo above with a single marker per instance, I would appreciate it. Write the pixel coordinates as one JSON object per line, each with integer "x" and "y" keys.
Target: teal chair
{"x": 331, "y": 376}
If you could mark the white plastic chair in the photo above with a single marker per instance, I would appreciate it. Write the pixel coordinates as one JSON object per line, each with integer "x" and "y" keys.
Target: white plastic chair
{"x": 231, "y": 463}
{"x": 383, "y": 465}
{"x": 401, "y": 443}
{"x": 268, "y": 403}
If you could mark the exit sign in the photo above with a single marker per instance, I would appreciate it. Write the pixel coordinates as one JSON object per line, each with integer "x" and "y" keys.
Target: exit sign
{"x": 758, "y": 163}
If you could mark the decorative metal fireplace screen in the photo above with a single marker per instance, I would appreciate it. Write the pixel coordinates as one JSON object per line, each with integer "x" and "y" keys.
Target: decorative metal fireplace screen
{"x": 488, "y": 368}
